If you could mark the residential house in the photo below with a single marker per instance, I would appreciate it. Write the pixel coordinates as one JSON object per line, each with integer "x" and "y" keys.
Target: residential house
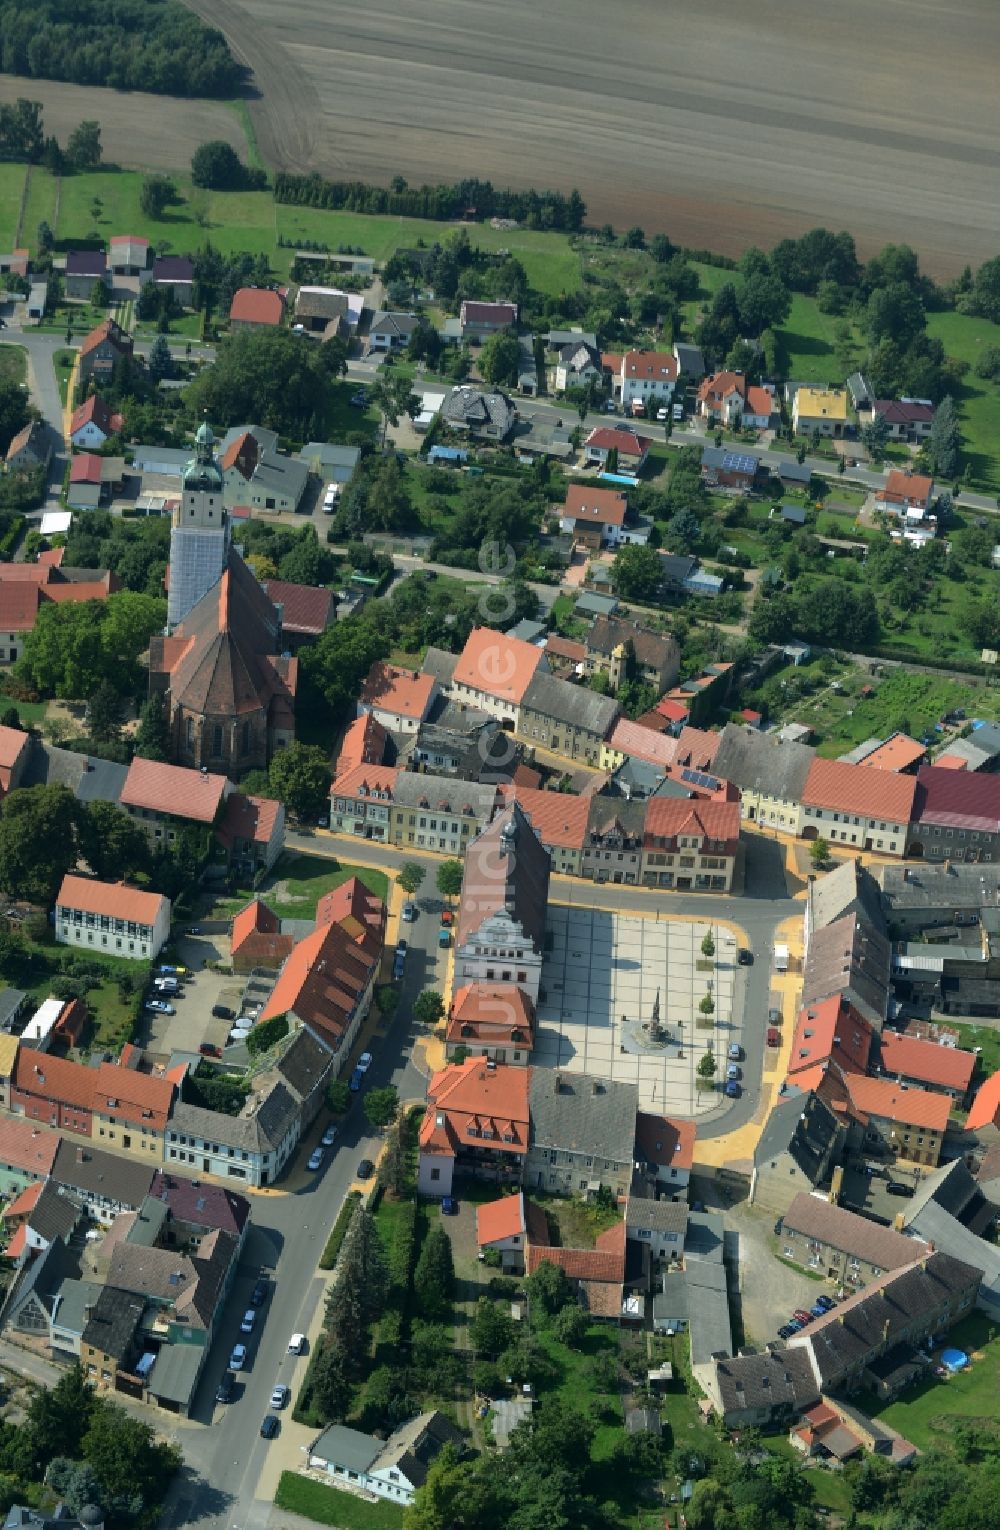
{"x": 494, "y": 1020}
{"x": 34, "y": 1219}
{"x": 578, "y": 363}
{"x": 360, "y": 801}
{"x": 163, "y": 799}
{"x": 955, "y": 816}
{"x": 722, "y": 468}
{"x": 597, "y": 1275}
{"x": 128, "y": 255}
{"x": 898, "y": 753}
{"x": 461, "y": 740}
{"x": 616, "y": 449}
{"x": 840, "y": 1245}
{"x": 26, "y": 587}
{"x": 560, "y": 821}
{"x": 665, "y": 1147}
{"x": 760, "y": 411}
{"x": 256, "y": 308}
{"x": 391, "y": 1469}
{"x": 478, "y": 321}
{"x": 493, "y": 672}
{"x": 907, "y": 495}
{"x": 595, "y": 518}
{"x": 256, "y": 938}
{"x": 194, "y": 1208}
{"x": 638, "y": 743}
{"x": 112, "y": 1339}
{"x": 920, "y": 1064}
{"x": 928, "y": 896}
{"x": 485, "y": 415}
{"x": 625, "y": 650}
{"x": 476, "y": 1122}
{"x": 949, "y": 1209}
{"x": 30, "y": 449}
{"x": 850, "y": 958}
{"x": 437, "y": 812}
{"x": 176, "y": 274}
{"x": 582, "y": 1133}
{"x": 833, "y": 1432}
{"x": 690, "y": 361}
{"x": 104, "y": 1184}
{"x": 251, "y": 1148}
{"x": 500, "y": 934}
{"x": 391, "y": 331}
{"x": 803, "y": 1140}
{"x": 902, "y": 1307}
{"x": 690, "y": 846}
{"x": 721, "y": 398}
{"x": 771, "y": 774}
{"x": 703, "y": 694}
{"x": 908, "y": 419}
{"x": 822, "y": 410}
{"x": 643, "y": 377}
{"x": 657, "y": 1225}
{"x": 322, "y": 310}
{"x": 278, "y": 484}
{"x": 252, "y": 833}
{"x": 891, "y": 1119}
{"x": 131, "y": 1109}
{"x": 612, "y": 851}
{"x": 93, "y": 423}
{"x": 93, "y": 480}
{"x": 397, "y": 698}
{"x": 508, "y": 1226}
{"x": 327, "y": 981}
{"x": 565, "y": 719}
{"x": 305, "y": 610}
{"x": 111, "y": 917}
{"x": 238, "y": 461}
{"x": 85, "y": 270}
{"x": 752, "y": 1390}
{"x": 848, "y": 805}
{"x": 829, "y": 1030}
{"x": 53, "y": 1090}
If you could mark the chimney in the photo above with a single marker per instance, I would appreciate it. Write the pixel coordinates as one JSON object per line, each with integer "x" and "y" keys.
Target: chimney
{"x": 885, "y": 1331}
{"x": 557, "y": 1082}
{"x": 596, "y": 1086}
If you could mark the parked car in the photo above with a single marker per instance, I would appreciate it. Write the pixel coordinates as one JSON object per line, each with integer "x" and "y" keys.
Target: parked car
{"x": 297, "y": 1344}
{"x": 315, "y": 1159}
{"x": 732, "y": 1072}
{"x": 661, "y": 414}
{"x": 174, "y": 971}
{"x": 785, "y": 1331}
{"x": 329, "y": 1137}
{"x": 735, "y": 1051}
{"x": 222, "y": 1012}
{"x": 678, "y": 411}
{"x": 260, "y": 1293}
{"x": 409, "y": 912}
{"x": 744, "y": 957}
{"x": 774, "y": 1016}
{"x": 447, "y": 917}
{"x": 357, "y": 1079}
{"x": 165, "y": 985}
{"x": 226, "y": 1389}
{"x": 444, "y": 937}
{"x": 269, "y": 1426}
{"x": 773, "y": 1036}
{"x": 816, "y": 1310}
{"x": 802, "y": 1315}
{"x": 364, "y": 1062}
{"x": 449, "y": 1206}
{"x": 795, "y": 1325}
{"x": 366, "y": 1169}
{"x": 238, "y": 1358}
{"x": 209, "y": 1049}
{"x": 279, "y": 1396}
{"x": 733, "y": 1089}
{"x": 194, "y": 929}
{"x": 249, "y": 1321}
{"x": 398, "y": 967}
{"x": 160, "y": 1007}
{"x": 826, "y": 1302}
{"x": 896, "y": 1187}
{"x": 401, "y": 948}
{"x": 359, "y": 400}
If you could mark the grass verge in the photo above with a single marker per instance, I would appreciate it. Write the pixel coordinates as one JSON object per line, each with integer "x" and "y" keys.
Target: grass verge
{"x": 331, "y": 1506}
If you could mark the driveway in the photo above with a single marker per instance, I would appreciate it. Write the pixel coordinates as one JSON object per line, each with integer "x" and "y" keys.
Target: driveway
{"x": 769, "y": 1291}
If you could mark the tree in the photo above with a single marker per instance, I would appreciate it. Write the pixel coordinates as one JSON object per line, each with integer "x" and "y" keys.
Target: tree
{"x": 393, "y": 1170}
{"x": 491, "y": 1329}
{"x": 152, "y": 739}
{"x": 683, "y": 530}
{"x": 338, "y": 1096}
{"x": 114, "y": 847}
{"x": 331, "y": 1385}
{"x": 263, "y": 567}
{"x": 706, "y": 1065}
{"x": 381, "y": 1106}
{"x": 819, "y": 853}
{"x": 449, "y": 879}
{"x": 387, "y": 1001}
{"x": 500, "y": 359}
{"x": 13, "y": 411}
{"x": 157, "y": 192}
{"x": 84, "y": 147}
{"x": 570, "y": 1326}
{"x": 216, "y": 166}
{"x": 105, "y": 714}
{"x": 434, "y": 1276}
{"x": 410, "y": 877}
{"x": 875, "y": 437}
{"x": 943, "y": 442}
{"x": 126, "y": 1456}
{"x": 266, "y": 1034}
{"x": 37, "y": 841}
{"x": 708, "y": 944}
{"x": 638, "y": 573}
{"x": 428, "y": 1007}
{"x": 548, "y": 1288}
{"x": 160, "y": 363}
{"x": 393, "y": 396}
{"x": 300, "y": 778}
{"x": 271, "y": 375}
{"x": 706, "y": 1004}
{"x": 75, "y": 645}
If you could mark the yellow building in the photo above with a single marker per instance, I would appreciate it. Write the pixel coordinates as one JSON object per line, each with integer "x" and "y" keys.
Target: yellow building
{"x": 821, "y": 409}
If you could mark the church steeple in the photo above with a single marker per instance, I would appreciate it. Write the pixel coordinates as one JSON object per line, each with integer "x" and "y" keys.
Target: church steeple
{"x": 200, "y": 533}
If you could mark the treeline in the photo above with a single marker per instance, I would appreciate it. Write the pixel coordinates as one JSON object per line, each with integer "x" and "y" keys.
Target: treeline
{"x": 535, "y": 209}
{"x": 155, "y": 45}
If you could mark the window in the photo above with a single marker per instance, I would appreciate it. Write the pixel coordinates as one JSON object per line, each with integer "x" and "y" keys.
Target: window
{"x": 217, "y": 739}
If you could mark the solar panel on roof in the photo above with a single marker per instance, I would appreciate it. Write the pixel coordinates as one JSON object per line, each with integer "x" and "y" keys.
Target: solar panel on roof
{"x": 739, "y": 462}
{"x": 699, "y": 778}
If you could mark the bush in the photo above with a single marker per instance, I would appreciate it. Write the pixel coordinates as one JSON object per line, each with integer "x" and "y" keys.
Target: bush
{"x": 328, "y": 1258}
{"x": 400, "y": 1249}
{"x": 216, "y": 166}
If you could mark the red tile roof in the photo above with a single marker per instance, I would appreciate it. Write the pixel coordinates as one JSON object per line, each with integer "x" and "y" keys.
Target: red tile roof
{"x": 595, "y": 507}
{"x": 364, "y": 744}
{"x": 717, "y": 387}
{"x": 252, "y": 819}
{"x": 398, "y": 691}
{"x": 86, "y": 467}
{"x": 54, "y": 1078}
{"x": 607, "y": 438}
{"x": 257, "y": 933}
{"x": 366, "y": 781}
{"x": 910, "y": 1107}
{"x": 51, "y": 557}
{"x": 13, "y": 742}
{"x": 558, "y": 818}
{"x": 24, "y": 1203}
{"x": 899, "y": 411}
{"x": 649, "y": 366}
{"x": 831, "y": 1030}
{"x": 490, "y": 313}
{"x": 914, "y": 487}
{"x": 667, "y": 817}
{"x": 306, "y": 610}
{"x": 27, "y": 1147}
{"x": 491, "y": 1014}
{"x": 243, "y": 452}
{"x": 985, "y": 1110}
{"x": 173, "y": 789}
{"x": 324, "y": 979}
{"x": 565, "y": 648}
{"x": 898, "y": 751}
{"x": 125, "y": 1094}
{"x": 495, "y": 1220}
{"x": 943, "y": 761}
{"x": 666, "y": 1143}
{"x": 256, "y": 305}
{"x": 846, "y": 788}
{"x": 638, "y": 742}
{"x": 958, "y": 800}
{"x": 760, "y": 402}
{"x": 95, "y": 411}
{"x": 673, "y": 709}
{"x": 353, "y": 905}
{"x": 496, "y": 664}
{"x": 927, "y": 1061}
{"x": 108, "y": 330}
{"x": 471, "y": 1095}
{"x": 605, "y": 1262}
{"x": 115, "y": 900}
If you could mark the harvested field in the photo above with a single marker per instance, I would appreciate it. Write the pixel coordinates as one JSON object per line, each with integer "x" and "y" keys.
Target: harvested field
{"x": 736, "y": 123}
{"x": 138, "y": 130}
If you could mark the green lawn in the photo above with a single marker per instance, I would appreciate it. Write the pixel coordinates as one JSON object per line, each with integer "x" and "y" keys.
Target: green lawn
{"x": 912, "y": 702}
{"x": 40, "y": 206}
{"x": 579, "y": 1223}
{"x": 978, "y": 401}
{"x": 927, "y": 1412}
{"x": 62, "y": 362}
{"x": 331, "y": 1506}
{"x": 303, "y": 880}
{"x": 11, "y": 187}
{"x": 13, "y": 364}
{"x": 30, "y": 712}
{"x": 983, "y": 1037}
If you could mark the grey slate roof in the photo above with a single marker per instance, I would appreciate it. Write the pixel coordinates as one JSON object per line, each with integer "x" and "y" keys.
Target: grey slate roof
{"x": 400, "y": 325}
{"x": 267, "y": 440}
{"x": 656, "y": 1216}
{"x": 709, "y": 1323}
{"x": 506, "y": 870}
{"x": 575, "y": 1112}
{"x": 175, "y": 1374}
{"x": 303, "y": 1064}
{"x": 53, "y": 1215}
{"x": 11, "y": 1000}
{"x": 337, "y": 462}
{"x": 89, "y": 1170}
{"x": 936, "y": 1225}
{"x": 466, "y": 798}
{"x": 802, "y": 1126}
{"x": 849, "y": 957}
{"x": 574, "y": 705}
{"x": 75, "y": 1297}
{"x": 951, "y": 1187}
{"x": 836, "y": 1227}
{"x": 412, "y": 1447}
{"x": 927, "y": 887}
{"x": 261, "y": 1132}
{"x": 557, "y": 338}
{"x": 777, "y": 1379}
{"x": 89, "y": 779}
{"x": 114, "y": 1322}
{"x": 690, "y": 360}
{"x": 346, "y": 1447}
{"x": 762, "y": 762}
{"x": 286, "y": 475}
{"x": 439, "y": 663}
{"x": 477, "y": 408}
{"x": 848, "y": 889}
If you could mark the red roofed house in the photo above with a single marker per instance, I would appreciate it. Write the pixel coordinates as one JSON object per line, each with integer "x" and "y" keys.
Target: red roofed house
{"x": 848, "y": 805}
{"x": 162, "y": 799}
{"x": 493, "y": 671}
{"x": 256, "y": 939}
{"x": 721, "y": 397}
{"x": 831, "y": 1030}
{"x": 926, "y": 1065}
{"x": 239, "y": 463}
{"x": 690, "y": 845}
{"x": 131, "y": 1109}
{"x": 93, "y": 480}
{"x": 598, "y": 1273}
{"x": 93, "y": 423}
{"x": 252, "y": 832}
{"x": 630, "y": 450}
{"x": 38, "y": 1216}
{"x": 760, "y": 412}
{"x": 898, "y": 752}
{"x": 595, "y": 517}
{"x": 494, "y": 1020}
{"x": 956, "y": 816}
{"x": 560, "y": 819}
{"x": 666, "y": 1147}
{"x": 30, "y": 449}
{"x": 128, "y": 255}
{"x": 361, "y": 799}
{"x": 644, "y": 377}
{"x": 908, "y": 1123}
{"x": 904, "y": 492}
{"x": 908, "y": 419}
{"x": 256, "y": 308}
{"x": 398, "y": 698}
{"x": 14, "y": 751}
{"x": 478, "y": 320}
{"x": 984, "y": 1112}
{"x": 53, "y": 1090}
{"x": 364, "y": 743}
{"x": 476, "y": 1122}
{"x": 306, "y": 611}
{"x": 27, "y": 1154}
{"x": 111, "y": 917}
{"x": 508, "y": 1226}
{"x": 328, "y": 980}
{"x": 25, "y": 587}
{"x": 102, "y": 349}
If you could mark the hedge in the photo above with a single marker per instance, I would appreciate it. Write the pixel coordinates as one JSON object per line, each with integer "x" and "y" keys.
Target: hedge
{"x": 334, "y": 1242}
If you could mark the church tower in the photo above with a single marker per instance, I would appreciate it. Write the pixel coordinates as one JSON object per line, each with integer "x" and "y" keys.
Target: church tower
{"x": 200, "y": 533}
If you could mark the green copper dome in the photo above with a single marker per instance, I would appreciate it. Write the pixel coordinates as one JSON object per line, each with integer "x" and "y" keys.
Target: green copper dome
{"x": 203, "y": 471}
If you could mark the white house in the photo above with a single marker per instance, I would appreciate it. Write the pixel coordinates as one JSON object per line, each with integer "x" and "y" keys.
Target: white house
{"x": 398, "y": 698}
{"x": 391, "y": 331}
{"x": 93, "y": 423}
{"x": 392, "y": 1468}
{"x": 660, "y": 1225}
{"x": 644, "y": 375}
{"x": 111, "y": 917}
{"x": 579, "y": 363}
{"x": 252, "y": 1148}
